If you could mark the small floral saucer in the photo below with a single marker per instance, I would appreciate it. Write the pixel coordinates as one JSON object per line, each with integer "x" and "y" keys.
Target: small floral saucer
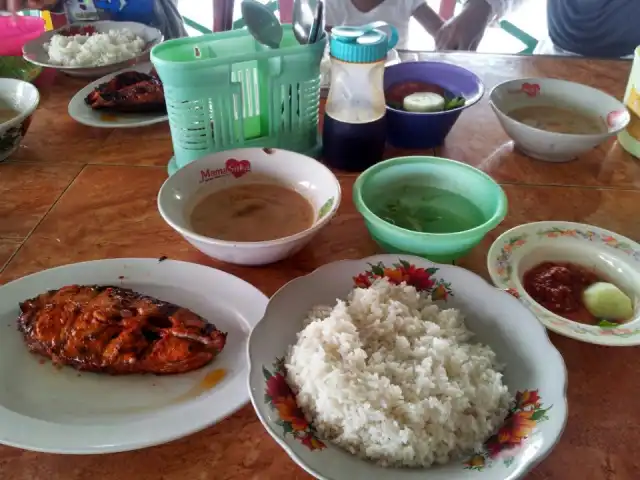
{"x": 615, "y": 257}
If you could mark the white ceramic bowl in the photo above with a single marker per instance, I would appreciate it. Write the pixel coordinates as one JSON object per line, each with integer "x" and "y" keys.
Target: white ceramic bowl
{"x": 23, "y": 97}
{"x": 249, "y": 165}
{"x": 613, "y": 256}
{"x": 34, "y": 51}
{"x": 549, "y": 146}
{"x": 532, "y": 364}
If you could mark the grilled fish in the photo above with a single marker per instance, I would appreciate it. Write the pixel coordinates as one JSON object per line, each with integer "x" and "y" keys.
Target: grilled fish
{"x": 117, "y": 331}
{"x": 129, "y": 92}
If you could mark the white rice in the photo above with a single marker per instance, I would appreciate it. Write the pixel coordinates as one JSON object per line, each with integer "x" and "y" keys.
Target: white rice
{"x": 391, "y": 377}
{"x": 94, "y": 50}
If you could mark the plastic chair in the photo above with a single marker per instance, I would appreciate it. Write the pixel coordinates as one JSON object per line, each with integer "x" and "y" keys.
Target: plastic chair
{"x": 530, "y": 42}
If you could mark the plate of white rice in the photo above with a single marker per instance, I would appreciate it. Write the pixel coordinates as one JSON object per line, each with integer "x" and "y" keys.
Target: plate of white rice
{"x": 398, "y": 368}
{"x": 93, "y": 49}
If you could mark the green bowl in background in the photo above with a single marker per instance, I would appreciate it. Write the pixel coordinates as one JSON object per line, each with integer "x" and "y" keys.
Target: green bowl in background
{"x": 18, "y": 68}
{"x": 463, "y": 202}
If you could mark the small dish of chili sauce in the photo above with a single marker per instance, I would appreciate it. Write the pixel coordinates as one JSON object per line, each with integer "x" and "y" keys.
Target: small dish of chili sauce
{"x": 559, "y": 287}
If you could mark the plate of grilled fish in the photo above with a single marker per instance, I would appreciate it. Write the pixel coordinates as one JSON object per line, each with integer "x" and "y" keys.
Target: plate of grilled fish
{"x": 121, "y": 354}
{"x": 130, "y": 98}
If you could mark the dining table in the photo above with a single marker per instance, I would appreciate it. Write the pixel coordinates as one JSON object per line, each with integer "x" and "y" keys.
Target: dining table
{"x": 73, "y": 193}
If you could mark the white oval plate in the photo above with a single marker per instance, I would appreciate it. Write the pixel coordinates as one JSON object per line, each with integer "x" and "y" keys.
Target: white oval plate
{"x": 525, "y": 246}
{"x": 35, "y": 53}
{"x": 83, "y": 113}
{"x": 61, "y": 410}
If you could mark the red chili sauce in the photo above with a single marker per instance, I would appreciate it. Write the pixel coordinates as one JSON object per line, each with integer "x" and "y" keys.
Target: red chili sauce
{"x": 558, "y": 287}
{"x": 397, "y": 92}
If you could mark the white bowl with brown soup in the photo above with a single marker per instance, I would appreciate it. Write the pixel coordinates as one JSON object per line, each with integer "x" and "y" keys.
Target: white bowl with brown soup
{"x": 18, "y": 101}
{"x": 250, "y": 206}
{"x": 556, "y": 120}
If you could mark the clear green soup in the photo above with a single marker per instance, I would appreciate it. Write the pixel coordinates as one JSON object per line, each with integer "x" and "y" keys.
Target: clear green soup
{"x": 428, "y": 210}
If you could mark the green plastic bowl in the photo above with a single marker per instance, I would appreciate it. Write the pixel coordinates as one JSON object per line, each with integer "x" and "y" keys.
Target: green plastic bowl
{"x": 456, "y": 177}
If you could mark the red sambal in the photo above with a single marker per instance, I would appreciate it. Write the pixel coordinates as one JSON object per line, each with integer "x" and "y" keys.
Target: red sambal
{"x": 558, "y": 287}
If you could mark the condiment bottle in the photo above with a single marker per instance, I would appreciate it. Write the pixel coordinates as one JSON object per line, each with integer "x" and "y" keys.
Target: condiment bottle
{"x": 354, "y": 131}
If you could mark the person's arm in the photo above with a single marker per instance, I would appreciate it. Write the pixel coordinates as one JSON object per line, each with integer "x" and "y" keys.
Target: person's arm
{"x": 465, "y": 31}
{"x": 429, "y": 19}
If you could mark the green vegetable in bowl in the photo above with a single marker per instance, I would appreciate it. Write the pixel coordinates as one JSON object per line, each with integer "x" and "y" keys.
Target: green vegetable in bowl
{"x": 606, "y": 301}
{"x": 455, "y": 102}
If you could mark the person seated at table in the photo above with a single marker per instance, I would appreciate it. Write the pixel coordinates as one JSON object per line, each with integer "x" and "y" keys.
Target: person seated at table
{"x": 592, "y": 28}
{"x": 162, "y": 14}
{"x": 395, "y": 12}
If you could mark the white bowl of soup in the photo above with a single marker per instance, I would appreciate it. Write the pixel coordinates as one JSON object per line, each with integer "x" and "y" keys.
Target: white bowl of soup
{"x": 18, "y": 101}
{"x": 250, "y": 206}
{"x": 556, "y": 120}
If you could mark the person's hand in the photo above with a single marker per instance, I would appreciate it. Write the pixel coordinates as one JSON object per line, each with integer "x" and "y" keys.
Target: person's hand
{"x": 465, "y": 31}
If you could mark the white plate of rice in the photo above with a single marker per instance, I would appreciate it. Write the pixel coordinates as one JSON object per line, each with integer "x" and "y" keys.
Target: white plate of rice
{"x": 113, "y": 46}
{"x": 398, "y": 368}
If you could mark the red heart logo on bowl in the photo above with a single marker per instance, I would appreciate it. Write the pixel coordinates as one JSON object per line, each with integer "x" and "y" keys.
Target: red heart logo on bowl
{"x": 531, "y": 89}
{"x": 238, "y": 168}
{"x": 614, "y": 117}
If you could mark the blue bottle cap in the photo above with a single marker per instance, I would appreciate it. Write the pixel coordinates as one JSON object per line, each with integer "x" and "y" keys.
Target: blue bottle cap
{"x": 365, "y": 44}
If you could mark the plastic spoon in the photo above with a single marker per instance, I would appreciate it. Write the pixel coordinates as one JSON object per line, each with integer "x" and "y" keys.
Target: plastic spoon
{"x": 262, "y": 23}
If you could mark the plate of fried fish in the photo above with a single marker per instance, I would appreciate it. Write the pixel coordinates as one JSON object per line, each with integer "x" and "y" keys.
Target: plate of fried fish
{"x": 129, "y": 98}
{"x": 120, "y": 354}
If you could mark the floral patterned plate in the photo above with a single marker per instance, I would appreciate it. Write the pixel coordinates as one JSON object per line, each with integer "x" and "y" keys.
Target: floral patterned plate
{"x": 535, "y": 371}
{"x": 613, "y": 256}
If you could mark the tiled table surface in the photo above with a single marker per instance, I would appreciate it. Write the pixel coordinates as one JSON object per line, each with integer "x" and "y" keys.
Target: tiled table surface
{"x": 75, "y": 193}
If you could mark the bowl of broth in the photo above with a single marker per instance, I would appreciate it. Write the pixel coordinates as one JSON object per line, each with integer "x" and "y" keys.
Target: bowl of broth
{"x": 556, "y": 120}
{"x": 428, "y": 206}
{"x": 425, "y": 99}
{"x": 18, "y": 101}
{"x": 250, "y": 206}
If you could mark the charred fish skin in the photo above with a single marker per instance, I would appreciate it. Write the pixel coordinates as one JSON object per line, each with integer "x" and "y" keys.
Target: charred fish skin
{"x": 118, "y": 331}
{"x": 132, "y": 92}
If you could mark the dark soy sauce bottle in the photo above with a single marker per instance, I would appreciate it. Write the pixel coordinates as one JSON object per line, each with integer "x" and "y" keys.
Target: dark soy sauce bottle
{"x": 354, "y": 131}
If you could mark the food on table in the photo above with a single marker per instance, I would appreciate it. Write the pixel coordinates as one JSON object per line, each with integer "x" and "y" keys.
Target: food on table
{"x": 118, "y": 331}
{"x": 605, "y": 300}
{"x": 421, "y": 97}
{"x": 561, "y": 287}
{"x": 7, "y": 112}
{"x": 428, "y": 209}
{"x": 254, "y": 212}
{"x": 422, "y": 102}
{"x": 129, "y": 92}
{"x": 559, "y": 120}
{"x": 88, "y": 48}
{"x": 391, "y": 377}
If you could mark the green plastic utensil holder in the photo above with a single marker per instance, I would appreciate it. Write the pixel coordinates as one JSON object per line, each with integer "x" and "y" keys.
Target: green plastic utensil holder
{"x": 225, "y": 90}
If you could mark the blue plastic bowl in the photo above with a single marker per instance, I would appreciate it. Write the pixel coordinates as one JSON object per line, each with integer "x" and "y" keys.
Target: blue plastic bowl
{"x": 428, "y": 130}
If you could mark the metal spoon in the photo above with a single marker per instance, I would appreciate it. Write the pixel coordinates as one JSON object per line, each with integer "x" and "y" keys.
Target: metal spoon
{"x": 317, "y": 28}
{"x": 262, "y": 23}
{"x": 303, "y": 21}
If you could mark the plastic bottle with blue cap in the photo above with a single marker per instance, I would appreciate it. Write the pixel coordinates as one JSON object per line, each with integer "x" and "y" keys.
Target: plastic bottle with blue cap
{"x": 354, "y": 132}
